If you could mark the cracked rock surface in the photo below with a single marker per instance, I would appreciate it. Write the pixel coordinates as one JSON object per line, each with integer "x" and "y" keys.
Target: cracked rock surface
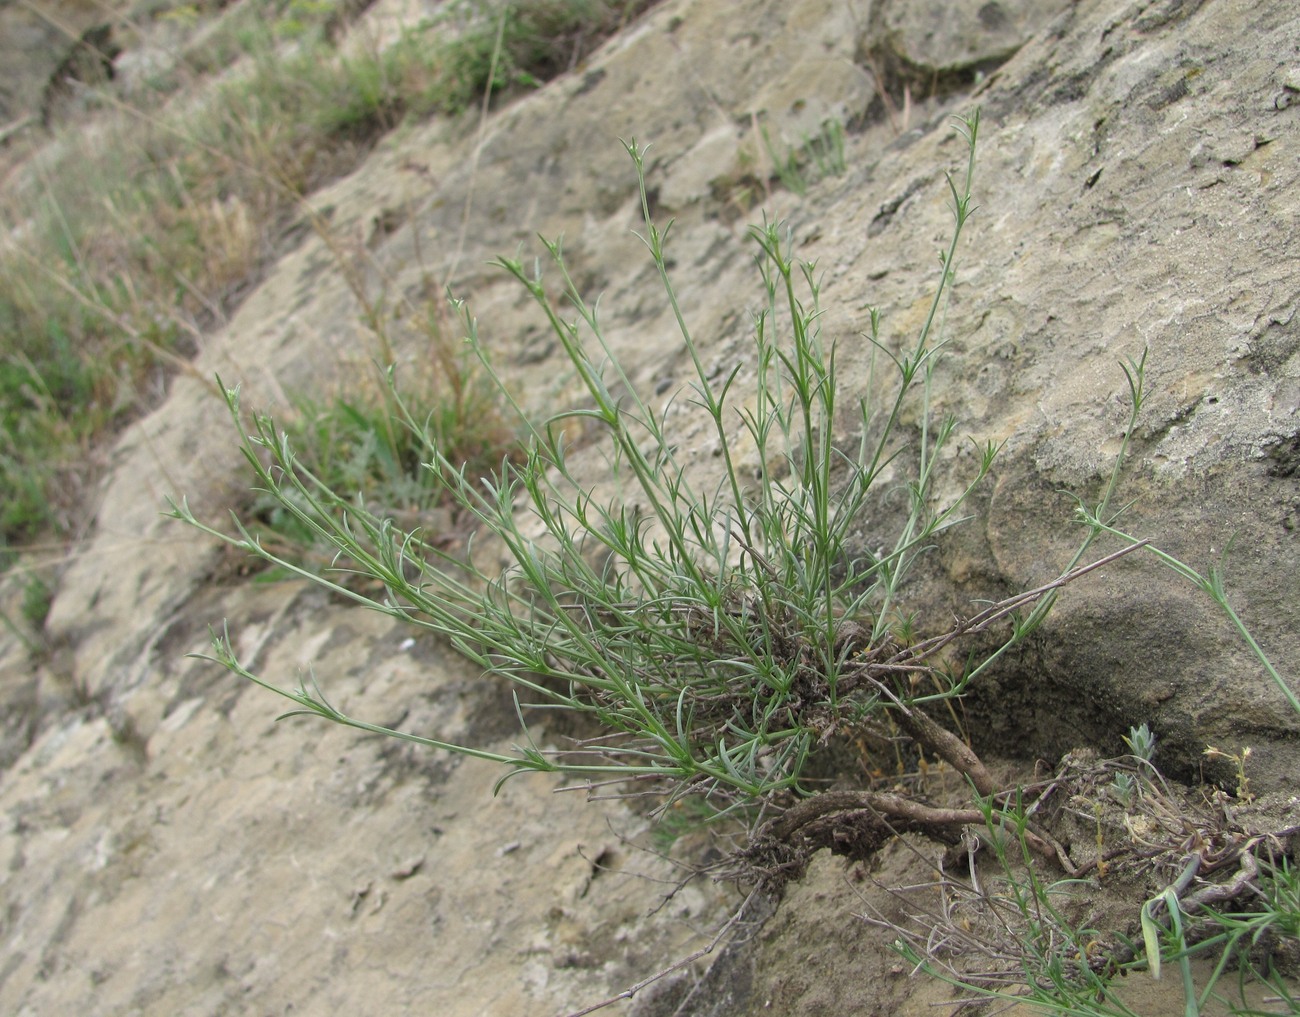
{"x": 169, "y": 849}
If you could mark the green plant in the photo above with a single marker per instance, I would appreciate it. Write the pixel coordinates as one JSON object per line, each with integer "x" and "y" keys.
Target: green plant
{"x": 485, "y": 48}
{"x": 1127, "y": 784}
{"x": 1013, "y": 926}
{"x": 1014, "y": 936}
{"x": 1062, "y": 967}
{"x": 1246, "y": 937}
{"x": 1141, "y": 742}
{"x": 1124, "y": 785}
{"x": 1241, "y": 941}
{"x": 719, "y": 635}
{"x": 359, "y": 444}
{"x": 37, "y": 597}
{"x": 116, "y": 252}
{"x": 33, "y": 607}
{"x": 823, "y": 152}
{"x": 120, "y": 248}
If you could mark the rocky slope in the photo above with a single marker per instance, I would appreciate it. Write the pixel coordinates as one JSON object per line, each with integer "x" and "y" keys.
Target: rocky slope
{"x": 170, "y": 849}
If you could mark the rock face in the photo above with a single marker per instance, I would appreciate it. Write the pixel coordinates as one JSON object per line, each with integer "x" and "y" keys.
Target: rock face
{"x": 45, "y": 50}
{"x": 88, "y": 63}
{"x": 1138, "y": 190}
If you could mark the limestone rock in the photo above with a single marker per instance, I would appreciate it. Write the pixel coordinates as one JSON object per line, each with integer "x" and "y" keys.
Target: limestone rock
{"x": 1137, "y": 189}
